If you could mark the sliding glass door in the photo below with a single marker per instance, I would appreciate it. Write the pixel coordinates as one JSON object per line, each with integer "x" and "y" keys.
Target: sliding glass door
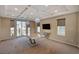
{"x": 18, "y": 23}
{"x": 21, "y": 28}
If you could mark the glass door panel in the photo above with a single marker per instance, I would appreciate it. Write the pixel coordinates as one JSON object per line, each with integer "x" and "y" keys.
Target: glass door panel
{"x": 21, "y": 28}
{"x": 18, "y": 28}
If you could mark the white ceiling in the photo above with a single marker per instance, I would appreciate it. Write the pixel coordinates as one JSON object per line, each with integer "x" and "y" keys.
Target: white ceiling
{"x": 30, "y": 12}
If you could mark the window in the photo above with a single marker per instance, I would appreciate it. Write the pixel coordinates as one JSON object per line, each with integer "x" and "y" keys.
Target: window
{"x": 28, "y": 31}
{"x": 38, "y": 31}
{"x": 12, "y": 31}
{"x": 11, "y": 28}
{"x": 38, "y": 28}
{"x": 61, "y": 27}
{"x": 61, "y": 30}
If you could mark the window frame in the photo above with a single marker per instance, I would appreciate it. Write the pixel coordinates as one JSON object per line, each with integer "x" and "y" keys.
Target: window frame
{"x": 61, "y": 27}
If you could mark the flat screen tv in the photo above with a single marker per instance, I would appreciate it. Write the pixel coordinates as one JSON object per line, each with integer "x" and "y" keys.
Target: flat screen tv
{"x": 46, "y": 26}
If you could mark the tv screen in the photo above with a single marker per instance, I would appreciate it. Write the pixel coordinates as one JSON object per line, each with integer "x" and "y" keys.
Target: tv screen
{"x": 45, "y": 26}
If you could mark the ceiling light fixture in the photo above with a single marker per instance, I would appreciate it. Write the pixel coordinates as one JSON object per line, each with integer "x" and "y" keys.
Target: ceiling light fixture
{"x": 31, "y": 13}
{"x": 56, "y": 11}
{"x": 16, "y": 9}
{"x": 37, "y": 20}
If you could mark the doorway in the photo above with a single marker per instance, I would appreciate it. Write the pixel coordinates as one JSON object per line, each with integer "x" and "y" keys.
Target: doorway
{"x": 21, "y": 28}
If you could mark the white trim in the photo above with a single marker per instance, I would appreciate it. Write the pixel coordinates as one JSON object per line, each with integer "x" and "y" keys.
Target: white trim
{"x": 65, "y": 43}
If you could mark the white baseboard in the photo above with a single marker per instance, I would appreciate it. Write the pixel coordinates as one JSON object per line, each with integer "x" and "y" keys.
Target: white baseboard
{"x": 65, "y": 43}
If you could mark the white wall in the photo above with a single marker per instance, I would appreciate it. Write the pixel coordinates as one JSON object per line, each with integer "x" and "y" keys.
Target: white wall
{"x": 0, "y": 28}
{"x": 71, "y": 28}
{"x": 78, "y": 29}
{"x": 33, "y": 29}
{"x": 4, "y": 28}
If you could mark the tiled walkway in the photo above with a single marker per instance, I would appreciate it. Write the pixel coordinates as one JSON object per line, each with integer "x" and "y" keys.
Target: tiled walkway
{"x": 44, "y": 46}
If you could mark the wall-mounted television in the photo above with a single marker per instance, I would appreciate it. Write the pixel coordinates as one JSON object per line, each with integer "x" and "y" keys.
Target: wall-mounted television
{"x": 46, "y": 26}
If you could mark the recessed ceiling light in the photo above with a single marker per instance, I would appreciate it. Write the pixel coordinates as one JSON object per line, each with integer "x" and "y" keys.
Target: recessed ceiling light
{"x": 16, "y": 9}
{"x": 31, "y": 13}
{"x": 56, "y": 11}
{"x": 46, "y": 5}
